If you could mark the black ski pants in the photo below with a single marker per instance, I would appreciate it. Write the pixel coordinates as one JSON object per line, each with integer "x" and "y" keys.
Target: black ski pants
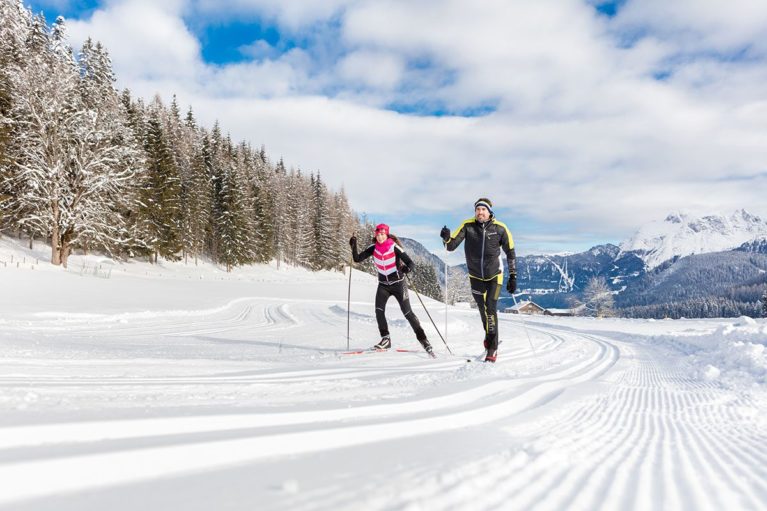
{"x": 486, "y": 293}
{"x": 399, "y": 291}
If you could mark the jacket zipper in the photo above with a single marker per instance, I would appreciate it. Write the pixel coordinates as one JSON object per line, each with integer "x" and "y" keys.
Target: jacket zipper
{"x": 482, "y": 256}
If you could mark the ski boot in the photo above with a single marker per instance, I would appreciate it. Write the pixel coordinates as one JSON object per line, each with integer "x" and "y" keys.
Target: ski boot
{"x": 427, "y": 346}
{"x": 385, "y": 344}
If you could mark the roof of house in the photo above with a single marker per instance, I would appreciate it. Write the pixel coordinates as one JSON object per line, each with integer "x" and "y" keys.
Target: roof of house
{"x": 522, "y": 304}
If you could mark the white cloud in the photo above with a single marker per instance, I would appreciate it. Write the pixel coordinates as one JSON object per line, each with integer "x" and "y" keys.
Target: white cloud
{"x": 263, "y": 79}
{"x": 695, "y": 25}
{"x": 584, "y": 134}
{"x": 374, "y": 69}
{"x": 259, "y": 50}
{"x": 145, "y": 39}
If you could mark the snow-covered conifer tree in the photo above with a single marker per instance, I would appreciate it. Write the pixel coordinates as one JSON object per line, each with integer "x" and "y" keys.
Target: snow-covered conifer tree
{"x": 182, "y": 140}
{"x": 231, "y": 228}
{"x": 764, "y": 304}
{"x": 292, "y": 219}
{"x": 160, "y": 208}
{"x": 199, "y": 201}
{"x": 425, "y": 281}
{"x": 324, "y": 253}
{"x": 262, "y": 208}
{"x": 232, "y": 222}
{"x": 344, "y": 224}
{"x": 458, "y": 287}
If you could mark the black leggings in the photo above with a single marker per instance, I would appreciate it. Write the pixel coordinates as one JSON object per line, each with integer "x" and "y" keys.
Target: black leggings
{"x": 398, "y": 291}
{"x": 485, "y": 293}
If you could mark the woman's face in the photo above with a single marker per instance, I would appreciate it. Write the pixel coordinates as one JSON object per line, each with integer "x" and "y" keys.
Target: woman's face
{"x": 381, "y": 236}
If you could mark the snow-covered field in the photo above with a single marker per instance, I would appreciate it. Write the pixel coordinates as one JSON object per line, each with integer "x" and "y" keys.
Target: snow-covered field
{"x": 184, "y": 387}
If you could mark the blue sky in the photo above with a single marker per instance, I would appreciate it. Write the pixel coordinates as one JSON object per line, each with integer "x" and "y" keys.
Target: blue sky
{"x": 581, "y": 119}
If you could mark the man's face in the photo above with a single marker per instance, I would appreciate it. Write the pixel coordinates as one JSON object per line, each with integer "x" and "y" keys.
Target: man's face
{"x": 481, "y": 214}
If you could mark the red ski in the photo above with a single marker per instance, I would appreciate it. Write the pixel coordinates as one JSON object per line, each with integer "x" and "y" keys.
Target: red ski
{"x": 372, "y": 350}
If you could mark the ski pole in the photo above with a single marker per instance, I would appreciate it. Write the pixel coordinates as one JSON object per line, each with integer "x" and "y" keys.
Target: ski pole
{"x": 427, "y": 313}
{"x": 523, "y": 323}
{"x": 349, "y": 300}
{"x": 446, "y": 294}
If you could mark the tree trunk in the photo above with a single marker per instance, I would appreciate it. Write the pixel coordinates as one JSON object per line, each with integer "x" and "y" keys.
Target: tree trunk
{"x": 55, "y": 234}
{"x": 55, "y": 241}
{"x": 65, "y": 248}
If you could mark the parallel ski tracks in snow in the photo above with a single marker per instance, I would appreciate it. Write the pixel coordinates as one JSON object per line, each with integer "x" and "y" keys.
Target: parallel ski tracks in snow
{"x": 655, "y": 440}
{"x": 254, "y": 437}
{"x": 629, "y": 430}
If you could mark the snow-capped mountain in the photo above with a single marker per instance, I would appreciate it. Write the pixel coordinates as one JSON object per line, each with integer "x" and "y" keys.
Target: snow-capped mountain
{"x": 550, "y": 278}
{"x": 681, "y": 234}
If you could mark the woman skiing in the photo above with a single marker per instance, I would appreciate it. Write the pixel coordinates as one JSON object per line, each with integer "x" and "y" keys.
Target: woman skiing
{"x": 392, "y": 263}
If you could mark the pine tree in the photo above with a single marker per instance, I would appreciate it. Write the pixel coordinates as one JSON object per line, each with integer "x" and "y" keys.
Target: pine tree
{"x": 424, "y": 279}
{"x": 323, "y": 250}
{"x": 198, "y": 208}
{"x": 764, "y": 304}
{"x": 459, "y": 288}
{"x": 231, "y": 223}
{"x": 262, "y": 207}
{"x": 294, "y": 221}
{"x": 343, "y": 223}
{"x": 279, "y": 180}
{"x": 160, "y": 200}
{"x": 232, "y": 216}
{"x": 182, "y": 140}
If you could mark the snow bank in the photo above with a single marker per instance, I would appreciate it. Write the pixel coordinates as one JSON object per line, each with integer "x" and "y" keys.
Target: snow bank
{"x": 733, "y": 354}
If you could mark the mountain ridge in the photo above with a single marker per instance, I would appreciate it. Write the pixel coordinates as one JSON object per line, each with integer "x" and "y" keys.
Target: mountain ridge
{"x": 681, "y": 234}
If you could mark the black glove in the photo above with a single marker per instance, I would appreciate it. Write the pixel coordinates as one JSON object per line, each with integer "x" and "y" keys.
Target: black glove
{"x": 445, "y": 234}
{"x": 353, "y": 241}
{"x": 511, "y": 285}
{"x": 405, "y": 269}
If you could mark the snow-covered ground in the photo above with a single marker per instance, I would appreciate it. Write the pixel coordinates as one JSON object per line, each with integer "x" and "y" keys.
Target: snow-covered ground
{"x": 178, "y": 386}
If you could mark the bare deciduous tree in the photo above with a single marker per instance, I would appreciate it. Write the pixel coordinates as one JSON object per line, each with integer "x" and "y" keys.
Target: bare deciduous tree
{"x": 598, "y": 299}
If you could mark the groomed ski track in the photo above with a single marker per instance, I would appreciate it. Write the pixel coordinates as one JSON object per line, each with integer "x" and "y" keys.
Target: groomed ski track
{"x": 252, "y": 403}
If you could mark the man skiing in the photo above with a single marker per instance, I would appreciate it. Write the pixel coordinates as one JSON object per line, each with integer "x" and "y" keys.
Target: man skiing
{"x": 485, "y": 236}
